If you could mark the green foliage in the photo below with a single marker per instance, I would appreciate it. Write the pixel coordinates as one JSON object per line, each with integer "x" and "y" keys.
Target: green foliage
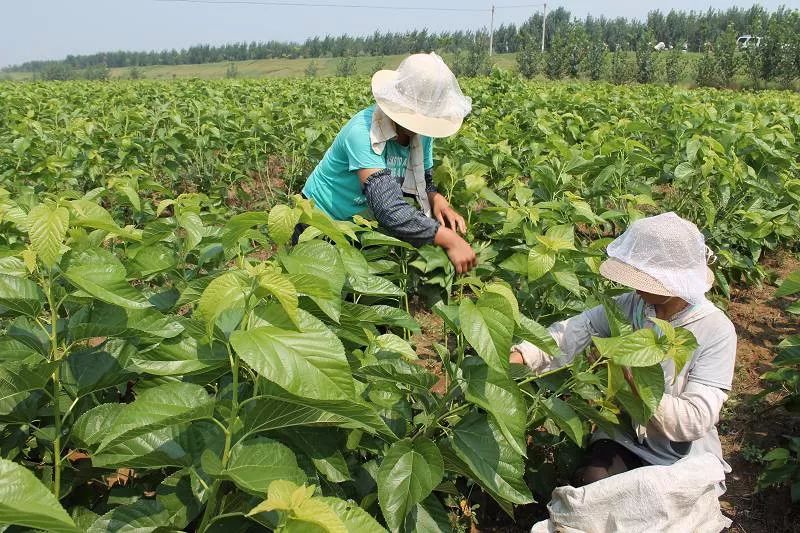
{"x": 312, "y": 69}
{"x": 595, "y": 61}
{"x": 621, "y": 69}
{"x": 783, "y": 380}
{"x": 180, "y": 334}
{"x": 529, "y": 58}
{"x": 135, "y": 73}
{"x": 346, "y": 67}
{"x": 727, "y": 58}
{"x": 645, "y": 59}
{"x": 472, "y": 61}
{"x": 232, "y": 71}
{"x": 674, "y": 66}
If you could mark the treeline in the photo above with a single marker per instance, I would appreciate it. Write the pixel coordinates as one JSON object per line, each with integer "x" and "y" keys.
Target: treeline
{"x": 723, "y": 62}
{"x": 680, "y": 29}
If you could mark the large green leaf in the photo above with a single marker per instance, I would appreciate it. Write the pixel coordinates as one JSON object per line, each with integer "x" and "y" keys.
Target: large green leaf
{"x": 479, "y": 444}
{"x": 180, "y": 356}
{"x": 282, "y": 288}
{"x": 536, "y": 334}
{"x": 370, "y": 285}
{"x": 93, "y": 369}
{"x": 408, "y": 473}
{"x": 649, "y": 381}
{"x": 499, "y": 395}
{"x": 25, "y": 501}
{"x": 152, "y": 259}
{"x": 20, "y": 295}
{"x": 540, "y": 262}
{"x": 310, "y": 362}
{"x": 428, "y": 516}
{"x": 255, "y": 463}
{"x": 238, "y": 226}
{"x": 488, "y": 326}
{"x": 565, "y": 418}
{"x": 276, "y": 408}
{"x": 47, "y": 228}
{"x": 789, "y": 286}
{"x": 179, "y": 445}
{"x": 323, "y": 447}
{"x": 355, "y": 519}
{"x": 640, "y": 348}
{"x": 105, "y": 320}
{"x": 99, "y": 273}
{"x": 399, "y": 371}
{"x": 228, "y": 291}
{"x": 88, "y": 214}
{"x": 156, "y": 408}
{"x": 320, "y": 260}
{"x": 281, "y": 222}
{"x": 19, "y": 378}
{"x": 142, "y": 516}
{"x": 182, "y": 497}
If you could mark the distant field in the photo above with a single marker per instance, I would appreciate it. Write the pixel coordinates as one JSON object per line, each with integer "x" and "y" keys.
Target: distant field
{"x": 263, "y": 68}
{"x": 276, "y": 68}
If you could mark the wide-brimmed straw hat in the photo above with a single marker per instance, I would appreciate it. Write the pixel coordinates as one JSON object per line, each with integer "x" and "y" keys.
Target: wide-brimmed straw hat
{"x": 630, "y": 276}
{"x": 664, "y": 255}
{"x": 422, "y": 95}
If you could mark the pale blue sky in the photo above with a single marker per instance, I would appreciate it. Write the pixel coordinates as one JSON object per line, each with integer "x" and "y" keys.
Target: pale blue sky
{"x": 51, "y": 29}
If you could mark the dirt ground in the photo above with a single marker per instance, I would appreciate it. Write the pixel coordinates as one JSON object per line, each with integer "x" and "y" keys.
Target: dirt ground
{"x": 749, "y": 425}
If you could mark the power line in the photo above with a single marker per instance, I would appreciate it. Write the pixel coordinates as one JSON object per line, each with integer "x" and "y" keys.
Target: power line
{"x": 349, "y": 6}
{"x": 313, "y": 4}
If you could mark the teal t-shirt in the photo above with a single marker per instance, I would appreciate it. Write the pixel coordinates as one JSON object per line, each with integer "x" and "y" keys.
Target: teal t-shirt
{"x": 334, "y": 185}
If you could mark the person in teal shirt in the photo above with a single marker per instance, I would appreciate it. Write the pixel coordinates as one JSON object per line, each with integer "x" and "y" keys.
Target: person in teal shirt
{"x": 385, "y": 153}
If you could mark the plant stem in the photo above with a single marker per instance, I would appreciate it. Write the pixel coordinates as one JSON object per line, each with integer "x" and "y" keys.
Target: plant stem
{"x": 213, "y": 500}
{"x": 54, "y": 357}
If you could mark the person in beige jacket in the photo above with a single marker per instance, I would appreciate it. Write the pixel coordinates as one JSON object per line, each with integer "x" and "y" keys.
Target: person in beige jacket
{"x": 664, "y": 260}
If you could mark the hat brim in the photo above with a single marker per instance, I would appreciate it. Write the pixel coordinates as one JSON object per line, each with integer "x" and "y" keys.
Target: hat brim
{"x": 625, "y": 274}
{"x": 428, "y": 126}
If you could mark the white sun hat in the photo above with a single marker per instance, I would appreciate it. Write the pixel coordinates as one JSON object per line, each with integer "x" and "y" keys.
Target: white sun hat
{"x": 422, "y": 95}
{"x": 664, "y": 255}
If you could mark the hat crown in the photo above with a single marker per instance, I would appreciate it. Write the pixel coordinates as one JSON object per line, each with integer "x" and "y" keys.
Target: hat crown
{"x": 424, "y": 79}
{"x": 668, "y": 248}
{"x": 423, "y": 85}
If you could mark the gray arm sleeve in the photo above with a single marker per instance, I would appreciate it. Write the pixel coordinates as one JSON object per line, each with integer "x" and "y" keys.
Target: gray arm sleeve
{"x": 429, "y": 185}
{"x": 393, "y": 213}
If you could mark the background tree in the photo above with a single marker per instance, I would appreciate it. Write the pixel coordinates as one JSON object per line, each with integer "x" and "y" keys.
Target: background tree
{"x": 621, "y": 68}
{"x": 707, "y": 74}
{"x": 232, "y": 71}
{"x": 577, "y": 48}
{"x": 529, "y": 58}
{"x": 346, "y": 67}
{"x": 312, "y": 69}
{"x": 674, "y": 66}
{"x": 557, "y": 58}
{"x": 595, "y": 60}
{"x": 726, "y": 56}
{"x": 473, "y": 61}
{"x": 645, "y": 61}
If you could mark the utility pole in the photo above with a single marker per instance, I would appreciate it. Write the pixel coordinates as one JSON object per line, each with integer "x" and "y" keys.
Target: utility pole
{"x": 544, "y": 18}
{"x": 491, "y": 34}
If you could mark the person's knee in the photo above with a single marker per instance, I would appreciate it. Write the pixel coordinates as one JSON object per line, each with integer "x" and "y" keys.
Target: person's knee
{"x": 590, "y": 474}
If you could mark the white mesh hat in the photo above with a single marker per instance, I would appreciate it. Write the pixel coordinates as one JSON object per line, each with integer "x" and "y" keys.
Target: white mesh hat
{"x": 422, "y": 95}
{"x": 664, "y": 255}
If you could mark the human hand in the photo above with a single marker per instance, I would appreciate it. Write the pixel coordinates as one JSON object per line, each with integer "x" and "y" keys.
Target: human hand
{"x": 458, "y": 250}
{"x": 516, "y": 357}
{"x": 446, "y": 215}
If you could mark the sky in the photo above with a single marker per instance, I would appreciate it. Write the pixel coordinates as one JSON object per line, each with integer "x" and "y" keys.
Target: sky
{"x": 52, "y": 29}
